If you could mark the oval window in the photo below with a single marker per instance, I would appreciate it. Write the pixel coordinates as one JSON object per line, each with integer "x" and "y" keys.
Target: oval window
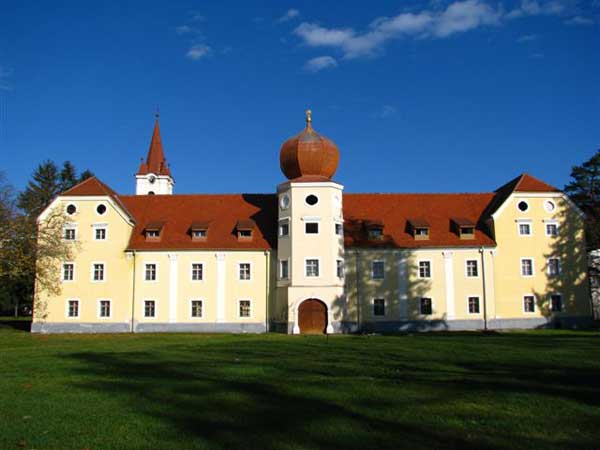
{"x": 549, "y": 206}
{"x": 101, "y": 209}
{"x": 285, "y": 202}
{"x": 71, "y": 209}
{"x": 312, "y": 200}
{"x": 523, "y": 206}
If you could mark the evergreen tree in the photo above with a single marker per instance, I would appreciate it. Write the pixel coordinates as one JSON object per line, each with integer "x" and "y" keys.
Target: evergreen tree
{"x": 584, "y": 190}
{"x": 85, "y": 175}
{"x": 41, "y": 190}
{"x": 68, "y": 176}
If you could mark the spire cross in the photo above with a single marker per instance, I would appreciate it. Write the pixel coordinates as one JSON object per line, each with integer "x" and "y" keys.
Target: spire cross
{"x": 308, "y": 117}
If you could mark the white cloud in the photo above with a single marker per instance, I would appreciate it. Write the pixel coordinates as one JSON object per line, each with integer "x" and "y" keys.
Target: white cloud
{"x": 536, "y": 8}
{"x": 387, "y": 111}
{"x": 289, "y": 15}
{"x": 183, "y": 29}
{"x": 320, "y": 63}
{"x": 579, "y": 20}
{"x": 528, "y": 38}
{"x": 198, "y": 51}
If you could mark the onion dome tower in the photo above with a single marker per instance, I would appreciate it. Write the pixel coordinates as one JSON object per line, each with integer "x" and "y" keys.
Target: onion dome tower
{"x": 309, "y": 156}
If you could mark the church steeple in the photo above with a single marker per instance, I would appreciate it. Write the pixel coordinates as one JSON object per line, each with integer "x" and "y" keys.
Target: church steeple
{"x": 154, "y": 174}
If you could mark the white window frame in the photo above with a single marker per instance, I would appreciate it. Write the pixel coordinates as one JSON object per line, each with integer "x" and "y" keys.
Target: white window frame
{"x": 306, "y": 267}
{"x": 523, "y": 304}
{"x": 467, "y": 261}
{"x": 338, "y": 224}
{"x": 432, "y": 306}
{"x": 96, "y": 226}
{"x": 70, "y": 226}
{"x": 239, "y": 269}
{"x": 317, "y": 223}
{"x": 104, "y": 272}
{"x": 340, "y": 260}
{"x": 547, "y": 209}
{"x": 532, "y": 267}
{"x": 373, "y": 269}
{"x": 67, "y": 316}
{"x": 469, "y": 313}
{"x": 156, "y": 265}
{"x": 238, "y": 308}
{"x": 62, "y": 274}
{"x": 419, "y": 270}
{"x": 99, "y": 308}
{"x": 279, "y": 229}
{"x": 96, "y": 209}
{"x": 192, "y": 271}
{"x": 76, "y": 209}
{"x": 528, "y": 222}
{"x": 281, "y": 261}
{"x": 385, "y": 309}
{"x": 562, "y": 302}
{"x": 519, "y": 200}
{"x": 559, "y": 267}
{"x": 551, "y": 222}
{"x": 201, "y": 300}
{"x": 143, "y": 312}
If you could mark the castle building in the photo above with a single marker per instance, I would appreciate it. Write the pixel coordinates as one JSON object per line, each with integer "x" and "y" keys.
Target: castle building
{"x": 312, "y": 259}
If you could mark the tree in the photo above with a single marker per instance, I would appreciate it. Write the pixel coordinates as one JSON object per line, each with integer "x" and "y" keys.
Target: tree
{"x": 41, "y": 190}
{"x": 85, "y": 175}
{"x": 584, "y": 190}
{"x": 68, "y": 176}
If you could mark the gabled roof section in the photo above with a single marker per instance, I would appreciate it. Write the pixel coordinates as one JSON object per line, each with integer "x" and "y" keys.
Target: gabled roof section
{"x": 156, "y": 162}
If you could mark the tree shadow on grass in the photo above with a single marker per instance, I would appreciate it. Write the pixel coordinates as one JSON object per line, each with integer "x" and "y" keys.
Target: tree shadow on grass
{"x": 19, "y": 325}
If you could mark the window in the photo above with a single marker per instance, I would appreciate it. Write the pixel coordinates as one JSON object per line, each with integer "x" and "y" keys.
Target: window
{"x": 422, "y": 232}
{"x": 556, "y": 303}
{"x": 424, "y": 269}
{"x": 152, "y": 234}
{"x": 467, "y": 232}
{"x": 100, "y": 234}
{"x": 338, "y": 229}
{"x": 105, "y": 308}
{"x": 377, "y": 270}
{"x": 101, "y": 209}
{"x": 197, "y": 271}
{"x": 247, "y": 234}
{"x": 244, "y": 271}
{"x": 312, "y": 267}
{"x": 68, "y": 271}
{"x": 312, "y": 227}
{"x": 199, "y": 234}
{"x": 523, "y": 206}
{"x": 379, "y": 307}
{"x": 70, "y": 234}
{"x": 150, "y": 272}
{"x": 527, "y": 267}
{"x": 71, "y": 209}
{"x": 472, "y": 268}
{"x": 339, "y": 268}
{"x": 98, "y": 272}
{"x": 553, "y": 267}
{"x": 73, "y": 308}
{"x": 284, "y": 202}
{"x": 197, "y": 308}
{"x": 473, "y": 305}
{"x": 529, "y": 303}
{"x": 375, "y": 234}
{"x": 149, "y": 308}
{"x": 312, "y": 200}
{"x": 426, "y": 306}
{"x": 244, "y": 308}
{"x": 551, "y": 229}
{"x": 524, "y": 229}
{"x": 549, "y": 206}
{"x": 284, "y": 229}
{"x": 284, "y": 269}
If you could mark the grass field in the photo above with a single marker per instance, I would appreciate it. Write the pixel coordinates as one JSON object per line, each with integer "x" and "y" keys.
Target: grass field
{"x": 538, "y": 390}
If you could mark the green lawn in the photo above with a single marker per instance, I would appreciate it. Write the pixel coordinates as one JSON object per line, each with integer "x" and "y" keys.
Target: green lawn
{"x": 537, "y": 390}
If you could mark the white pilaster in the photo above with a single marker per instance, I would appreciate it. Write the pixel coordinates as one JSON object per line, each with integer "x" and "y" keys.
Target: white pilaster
{"x": 402, "y": 286}
{"x": 173, "y": 284}
{"x": 449, "y": 272}
{"x": 220, "y": 286}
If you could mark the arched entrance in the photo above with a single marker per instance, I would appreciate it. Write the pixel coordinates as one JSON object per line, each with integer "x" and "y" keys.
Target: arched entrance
{"x": 312, "y": 316}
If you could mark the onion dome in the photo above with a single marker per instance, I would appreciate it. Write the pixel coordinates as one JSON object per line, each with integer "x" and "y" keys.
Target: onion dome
{"x": 309, "y": 156}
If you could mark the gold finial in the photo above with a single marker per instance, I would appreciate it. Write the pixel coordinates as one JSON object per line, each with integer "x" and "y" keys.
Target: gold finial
{"x": 308, "y": 117}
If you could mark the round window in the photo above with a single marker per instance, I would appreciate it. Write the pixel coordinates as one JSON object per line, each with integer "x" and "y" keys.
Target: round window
{"x": 101, "y": 209}
{"x": 152, "y": 179}
{"x": 523, "y": 206}
{"x": 284, "y": 202}
{"x": 71, "y": 209}
{"x": 549, "y": 206}
{"x": 312, "y": 200}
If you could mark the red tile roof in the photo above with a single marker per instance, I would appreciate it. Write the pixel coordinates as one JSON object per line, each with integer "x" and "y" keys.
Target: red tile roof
{"x": 527, "y": 183}
{"x": 156, "y": 162}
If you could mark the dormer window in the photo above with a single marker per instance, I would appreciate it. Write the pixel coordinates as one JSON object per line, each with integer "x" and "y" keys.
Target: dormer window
{"x": 374, "y": 230}
{"x": 153, "y": 231}
{"x": 464, "y": 227}
{"x": 199, "y": 230}
{"x": 245, "y": 229}
{"x": 420, "y": 229}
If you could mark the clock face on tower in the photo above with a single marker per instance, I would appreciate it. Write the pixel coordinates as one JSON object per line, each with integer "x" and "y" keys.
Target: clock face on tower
{"x": 152, "y": 179}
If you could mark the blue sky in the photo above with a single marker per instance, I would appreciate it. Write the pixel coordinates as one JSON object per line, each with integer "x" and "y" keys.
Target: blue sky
{"x": 431, "y": 96}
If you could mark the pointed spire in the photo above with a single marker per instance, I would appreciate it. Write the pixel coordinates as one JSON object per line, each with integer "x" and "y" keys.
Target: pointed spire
{"x": 155, "y": 161}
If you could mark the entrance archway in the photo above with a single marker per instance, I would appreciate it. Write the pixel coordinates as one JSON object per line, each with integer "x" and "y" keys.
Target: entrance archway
{"x": 312, "y": 316}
